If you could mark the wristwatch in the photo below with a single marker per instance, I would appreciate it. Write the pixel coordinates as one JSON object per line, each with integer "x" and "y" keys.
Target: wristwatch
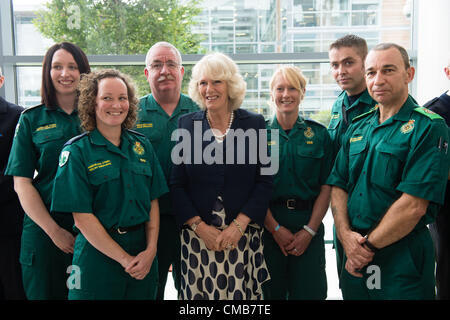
{"x": 195, "y": 224}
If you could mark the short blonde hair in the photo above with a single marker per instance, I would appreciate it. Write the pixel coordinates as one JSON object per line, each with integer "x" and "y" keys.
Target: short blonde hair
{"x": 218, "y": 66}
{"x": 293, "y": 75}
{"x": 88, "y": 88}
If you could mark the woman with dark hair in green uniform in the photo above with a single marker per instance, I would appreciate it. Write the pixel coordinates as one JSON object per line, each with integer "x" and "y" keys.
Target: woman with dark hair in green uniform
{"x": 47, "y": 240}
{"x": 294, "y": 246}
{"x": 114, "y": 181}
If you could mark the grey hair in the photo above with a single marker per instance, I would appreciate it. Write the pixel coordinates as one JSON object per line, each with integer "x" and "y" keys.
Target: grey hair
{"x": 166, "y": 45}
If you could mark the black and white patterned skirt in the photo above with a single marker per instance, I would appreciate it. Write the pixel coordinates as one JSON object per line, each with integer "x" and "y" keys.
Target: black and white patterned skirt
{"x": 235, "y": 274}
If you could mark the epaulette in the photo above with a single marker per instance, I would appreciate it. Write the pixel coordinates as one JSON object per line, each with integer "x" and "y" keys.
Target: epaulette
{"x": 316, "y": 122}
{"x": 363, "y": 115}
{"x": 430, "y": 103}
{"x": 32, "y": 107}
{"x": 427, "y": 112}
{"x": 76, "y": 138}
{"x": 136, "y": 133}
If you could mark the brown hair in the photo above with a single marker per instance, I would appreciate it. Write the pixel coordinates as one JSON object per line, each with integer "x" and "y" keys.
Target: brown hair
{"x": 352, "y": 41}
{"x": 88, "y": 93}
{"x": 48, "y": 93}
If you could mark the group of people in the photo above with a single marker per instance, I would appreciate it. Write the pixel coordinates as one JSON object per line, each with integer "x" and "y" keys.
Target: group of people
{"x": 116, "y": 189}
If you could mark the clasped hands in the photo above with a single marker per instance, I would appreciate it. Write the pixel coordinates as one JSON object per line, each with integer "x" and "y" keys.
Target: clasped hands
{"x": 139, "y": 266}
{"x": 293, "y": 244}
{"x": 358, "y": 256}
{"x": 218, "y": 240}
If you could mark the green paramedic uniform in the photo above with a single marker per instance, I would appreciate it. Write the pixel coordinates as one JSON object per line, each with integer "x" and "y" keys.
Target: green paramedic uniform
{"x": 158, "y": 126}
{"x": 408, "y": 153}
{"x": 39, "y": 138}
{"x": 116, "y": 184}
{"x": 305, "y": 161}
{"x": 339, "y": 123}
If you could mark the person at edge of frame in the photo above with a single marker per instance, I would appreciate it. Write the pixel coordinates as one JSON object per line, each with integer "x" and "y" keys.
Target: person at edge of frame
{"x": 388, "y": 182}
{"x": 157, "y": 119}
{"x": 440, "y": 228}
{"x": 11, "y": 218}
{"x": 47, "y": 237}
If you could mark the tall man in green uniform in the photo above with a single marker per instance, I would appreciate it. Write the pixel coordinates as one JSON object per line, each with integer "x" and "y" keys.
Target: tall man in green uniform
{"x": 347, "y": 56}
{"x": 158, "y": 118}
{"x": 388, "y": 180}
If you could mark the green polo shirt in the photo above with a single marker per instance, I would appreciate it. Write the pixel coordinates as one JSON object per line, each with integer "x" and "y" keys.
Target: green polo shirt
{"x": 408, "y": 153}
{"x": 338, "y": 126}
{"x": 157, "y": 126}
{"x": 116, "y": 184}
{"x": 39, "y": 138}
{"x": 305, "y": 159}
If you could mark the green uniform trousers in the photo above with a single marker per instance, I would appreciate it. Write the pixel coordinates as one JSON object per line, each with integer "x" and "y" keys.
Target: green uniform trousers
{"x": 44, "y": 265}
{"x": 292, "y": 277}
{"x": 403, "y": 270}
{"x": 98, "y": 277}
{"x": 168, "y": 253}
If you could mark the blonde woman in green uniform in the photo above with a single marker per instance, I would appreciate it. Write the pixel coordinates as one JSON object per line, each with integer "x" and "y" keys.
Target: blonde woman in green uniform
{"x": 294, "y": 246}
{"x": 47, "y": 241}
{"x": 114, "y": 180}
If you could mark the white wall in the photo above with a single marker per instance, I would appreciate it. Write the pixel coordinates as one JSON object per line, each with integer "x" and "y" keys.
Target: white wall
{"x": 433, "y": 48}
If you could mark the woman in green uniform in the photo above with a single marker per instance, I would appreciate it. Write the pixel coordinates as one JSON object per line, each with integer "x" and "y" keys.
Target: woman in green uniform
{"x": 113, "y": 179}
{"x": 47, "y": 241}
{"x": 294, "y": 246}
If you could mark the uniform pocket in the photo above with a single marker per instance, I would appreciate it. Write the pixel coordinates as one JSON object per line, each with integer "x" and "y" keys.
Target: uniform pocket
{"x": 388, "y": 159}
{"x": 102, "y": 175}
{"x": 307, "y": 162}
{"x": 334, "y": 122}
{"x": 357, "y": 153}
{"x": 142, "y": 175}
{"x": 45, "y": 136}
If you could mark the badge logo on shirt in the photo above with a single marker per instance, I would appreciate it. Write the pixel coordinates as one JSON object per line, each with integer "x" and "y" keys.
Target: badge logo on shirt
{"x": 309, "y": 133}
{"x": 63, "y": 158}
{"x": 407, "y": 127}
{"x": 138, "y": 148}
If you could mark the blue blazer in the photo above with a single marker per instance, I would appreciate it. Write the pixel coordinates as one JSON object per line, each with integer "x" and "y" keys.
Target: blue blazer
{"x": 195, "y": 186}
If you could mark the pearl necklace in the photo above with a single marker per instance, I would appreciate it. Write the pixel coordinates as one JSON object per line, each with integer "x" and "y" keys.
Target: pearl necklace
{"x": 221, "y": 136}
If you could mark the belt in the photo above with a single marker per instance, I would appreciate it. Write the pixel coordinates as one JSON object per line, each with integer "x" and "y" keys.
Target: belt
{"x": 293, "y": 203}
{"x": 123, "y": 230}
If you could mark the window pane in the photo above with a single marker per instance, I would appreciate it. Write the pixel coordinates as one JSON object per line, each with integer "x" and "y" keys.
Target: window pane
{"x": 29, "y": 84}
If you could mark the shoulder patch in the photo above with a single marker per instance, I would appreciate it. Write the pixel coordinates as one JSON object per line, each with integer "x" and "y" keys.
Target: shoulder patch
{"x": 427, "y": 112}
{"x": 63, "y": 157}
{"x": 136, "y": 133}
{"x": 76, "y": 138}
{"x": 33, "y": 107}
{"x": 365, "y": 114}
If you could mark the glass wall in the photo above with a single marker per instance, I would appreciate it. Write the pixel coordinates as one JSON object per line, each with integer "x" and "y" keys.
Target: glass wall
{"x": 248, "y": 27}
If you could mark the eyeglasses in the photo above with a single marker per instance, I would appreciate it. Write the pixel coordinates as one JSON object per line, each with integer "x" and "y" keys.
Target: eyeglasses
{"x": 157, "y": 66}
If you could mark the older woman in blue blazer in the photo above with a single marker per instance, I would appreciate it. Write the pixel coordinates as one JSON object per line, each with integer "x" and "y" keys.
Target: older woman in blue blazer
{"x": 220, "y": 189}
